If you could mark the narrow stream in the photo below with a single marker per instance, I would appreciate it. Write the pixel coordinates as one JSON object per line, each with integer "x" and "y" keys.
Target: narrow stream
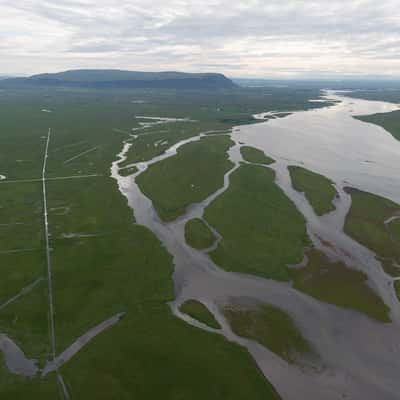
{"x": 359, "y": 357}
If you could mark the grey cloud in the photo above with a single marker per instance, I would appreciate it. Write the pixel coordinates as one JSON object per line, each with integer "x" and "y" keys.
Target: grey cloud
{"x": 249, "y": 36}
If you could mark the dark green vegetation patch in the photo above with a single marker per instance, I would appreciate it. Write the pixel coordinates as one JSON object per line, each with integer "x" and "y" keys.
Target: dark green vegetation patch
{"x": 365, "y": 223}
{"x": 153, "y": 141}
{"x": 20, "y": 216}
{"x": 337, "y": 284}
{"x": 194, "y": 173}
{"x": 262, "y": 230}
{"x": 389, "y": 121}
{"x": 199, "y": 311}
{"x": 317, "y": 188}
{"x": 22, "y": 263}
{"x": 198, "y": 235}
{"x": 128, "y": 171}
{"x": 389, "y": 92}
{"x": 16, "y": 387}
{"x": 394, "y": 228}
{"x": 253, "y": 155}
{"x": 397, "y": 288}
{"x": 270, "y": 326}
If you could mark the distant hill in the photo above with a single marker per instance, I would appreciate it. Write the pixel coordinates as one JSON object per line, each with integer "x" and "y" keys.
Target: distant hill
{"x": 98, "y": 78}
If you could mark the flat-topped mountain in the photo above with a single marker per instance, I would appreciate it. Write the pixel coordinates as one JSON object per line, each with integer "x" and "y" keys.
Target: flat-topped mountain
{"x": 99, "y": 78}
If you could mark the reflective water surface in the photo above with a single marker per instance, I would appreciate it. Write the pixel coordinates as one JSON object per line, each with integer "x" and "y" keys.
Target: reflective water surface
{"x": 359, "y": 357}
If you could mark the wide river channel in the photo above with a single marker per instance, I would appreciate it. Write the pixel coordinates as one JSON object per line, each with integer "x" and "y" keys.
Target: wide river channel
{"x": 359, "y": 358}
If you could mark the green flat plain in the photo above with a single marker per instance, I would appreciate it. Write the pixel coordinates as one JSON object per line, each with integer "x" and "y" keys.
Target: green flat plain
{"x": 192, "y": 175}
{"x": 153, "y": 141}
{"x": 198, "y": 235}
{"x": 317, "y": 188}
{"x": 128, "y": 171}
{"x": 261, "y": 228}
{"x": 397, "y": 287}
{"x": 22, "y": 262}
{"x": 388, "y": 121}
{"x": 337, "y": 284}
{"x": 102, "y": 262}
{"x": 390, "y": 94}
{"x": 394, "y": 228}
{"x": 256, "y": 156}
{"x": 199, "y": 311}
{"x": 269, "y": 326}
{"x": 365, "y": 224}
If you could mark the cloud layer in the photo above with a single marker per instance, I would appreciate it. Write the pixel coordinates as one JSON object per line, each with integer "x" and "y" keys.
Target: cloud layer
{"x": 241, "y": 38}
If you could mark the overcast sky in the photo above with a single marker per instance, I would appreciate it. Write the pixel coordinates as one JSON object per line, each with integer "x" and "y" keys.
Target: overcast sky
{"x": 267, "y": 38}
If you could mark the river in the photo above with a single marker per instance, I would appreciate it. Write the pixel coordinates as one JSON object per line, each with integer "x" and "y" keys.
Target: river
{"x": 359, "y": 357}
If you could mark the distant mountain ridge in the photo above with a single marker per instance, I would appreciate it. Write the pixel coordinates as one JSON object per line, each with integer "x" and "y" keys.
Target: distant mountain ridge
{"x": 106, "y": 78}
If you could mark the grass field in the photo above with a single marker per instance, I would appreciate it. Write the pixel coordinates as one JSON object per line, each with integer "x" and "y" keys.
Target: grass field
{"x": 269, "y": 326}
{"x": 318, "y": 189}
{"x": 193, "y": 174}
{"x": 261, "y": 228}
{"x": 20, "y": 216}
{"x": 22, "y": 261}
{"x": 397, "y": 287}
{"x": 394, "y": 228}
{"x": 366, "y": 224}
{"x": 128, "y": 171}
{"x": 199, "y": 311}
{"x": 337, "y": 284}
{"x": 209, "y": 110}
{"x": 389, "y": 121}
{"x": 102, "y": 262}
{"x": 389, "y": 92}
{"x": 153, "y": 141}
{"x": 256, "y": 156}
{"x": 198, "y": 235}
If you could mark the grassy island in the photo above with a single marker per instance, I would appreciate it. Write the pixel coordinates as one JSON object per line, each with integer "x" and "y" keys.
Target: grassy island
{"x": 318, "y": 189}
{"x": 262, "y": 231}
{"x": 198, "y": 235}
{"x": 255, "y": 156}
{"x": 335, "y": 283}
{"x": 199, "y": 311}
{"x": 270, "y": 326}
{"x": 194, "y": 173}
{"x": 366, "y": 223}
